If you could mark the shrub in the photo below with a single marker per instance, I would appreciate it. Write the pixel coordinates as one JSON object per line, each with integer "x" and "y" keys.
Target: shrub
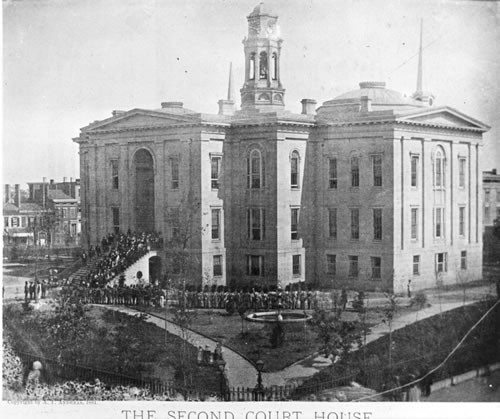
{"x": 420, "y": 300}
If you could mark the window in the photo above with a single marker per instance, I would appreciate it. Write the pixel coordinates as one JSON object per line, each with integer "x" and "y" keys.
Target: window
{"x": 331, "y": 264}
{"x": 23, "y": 221}
{"x": 215, "y": 171}
{"x": 294, "y": 170}
{"x": 5, "y": 221}
{"x": 441, "y": 262}
{"x": 255, "y": 265}
{"x": 174, "y": 173}
{"x": 332, "y": 173}
{"x": 487, "y": 195}
{"x": 251, "y": 69}
{"x": 377, "y": 224}
{"x": 438, "y": 222}
{"x": 439, "y": 168}
{"x": 414, "y": 223}
{"x": 377, "y": 170}
{"x": 216, "y": 224}
{"x": 332, "y": 223}
{"x": 14, "y": 222}
{"x": 355, "y": 223}
{"x": 296, "y": 264}
{"x": 115, "y": 213}
{"x": 486, "y": 214}
{"x": 463, "y": 259}
{"x": 175, "y": 222}
{"x": 461, "y": 221}
{"x": 255, "y": 170}
{"x": 294, "y": 227}
{"x": 353, "y": 266}
{"x": 414, "y": 170}
{"x": 114, "y": 174}
{"x": 275, "y": 66}
{"x": 65, "y": 212}
{"x": 73, "y": 230}
{"x": 256, "y": 223}
{"x": 416, "y": 265}
{"x": 355, "y": 171}
{"x": 72, "y": 212}
{"x": 376, "y": 267}
{"x": 461, "y": 173}
{"x": 263, "y": 65}
{"x": 218, "y": 265}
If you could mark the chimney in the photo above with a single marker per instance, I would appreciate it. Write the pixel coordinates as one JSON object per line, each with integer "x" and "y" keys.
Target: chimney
{"x": 226, "y": 107}
{"x": 70, "y": 180}
{"x": 308, "y": 106}
{"x": 494, "y": 171}
{"x": 172, "y": 105}
{"x": 6, "y": 196}
{"x": 366, "y": 104}
{"x": 51, "y": 181}
{"x": 65, "y": 179}
{"x": 17, "y": 197}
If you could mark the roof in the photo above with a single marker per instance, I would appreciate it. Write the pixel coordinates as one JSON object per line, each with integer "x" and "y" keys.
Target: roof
{"x": 262, "y": 10}
{"x": 57, "y": 194}
{"x": 381, "y": 97}
{"x": 26, "y": 207}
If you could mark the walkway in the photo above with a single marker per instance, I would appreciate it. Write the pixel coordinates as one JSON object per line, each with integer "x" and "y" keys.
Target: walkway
{"x": 303, "y": 369}
{"x": 239, "y": 371}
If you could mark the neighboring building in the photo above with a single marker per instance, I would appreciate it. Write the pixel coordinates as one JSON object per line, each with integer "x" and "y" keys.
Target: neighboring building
{"x": 20, "y": 219}
{"x": 63, "y": 198}
{"x": 370, "y": 191}
{"x": 491, "y": 198}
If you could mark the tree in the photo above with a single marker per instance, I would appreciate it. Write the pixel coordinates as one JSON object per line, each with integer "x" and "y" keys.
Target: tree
{"x": 390, "y": 310}
{"x": 337, "y": 337}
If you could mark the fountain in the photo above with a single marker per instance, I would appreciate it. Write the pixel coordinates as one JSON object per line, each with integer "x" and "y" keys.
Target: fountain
{"x": 279, "y": 316}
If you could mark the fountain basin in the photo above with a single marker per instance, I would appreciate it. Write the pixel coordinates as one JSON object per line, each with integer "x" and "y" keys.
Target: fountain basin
{"x": 272, "y": 317}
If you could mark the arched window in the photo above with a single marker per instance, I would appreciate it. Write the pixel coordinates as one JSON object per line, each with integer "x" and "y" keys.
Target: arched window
{"x": 263, "y": 65}
{"x": 251, "y": 69}
{"x": 439, "y": 168}
{"x": 294, "y": 170}
{"x": 355, "y": 171}
{"x": 275, "y": 66}
{"x": 255, "y": 170}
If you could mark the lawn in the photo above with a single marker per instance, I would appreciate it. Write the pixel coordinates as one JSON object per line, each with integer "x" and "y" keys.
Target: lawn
{"x": 117, "y": 343}
{"x": 253, "y": 339}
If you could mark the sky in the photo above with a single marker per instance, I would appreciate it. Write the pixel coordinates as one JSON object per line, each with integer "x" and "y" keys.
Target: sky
{"x": 67, "y": 63}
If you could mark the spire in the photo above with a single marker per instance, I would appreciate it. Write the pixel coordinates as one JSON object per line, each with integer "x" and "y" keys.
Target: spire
{"x": 230, "y": 93}
{"x": 426, "y": 98}
{"x": 420, "y": 89}
{"x": 226, "y": 106}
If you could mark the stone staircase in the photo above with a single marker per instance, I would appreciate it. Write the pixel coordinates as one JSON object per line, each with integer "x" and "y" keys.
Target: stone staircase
{"x": 82, "y": 273}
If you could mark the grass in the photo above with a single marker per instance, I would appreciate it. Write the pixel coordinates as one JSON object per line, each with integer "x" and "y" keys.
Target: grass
{"x": 253, "y": 339}
{"x": 117, "y": 343}
{"x": 419, "y": 347}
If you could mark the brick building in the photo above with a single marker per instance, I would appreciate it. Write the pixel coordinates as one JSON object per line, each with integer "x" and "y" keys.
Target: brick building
{"x": 370, "y": 190}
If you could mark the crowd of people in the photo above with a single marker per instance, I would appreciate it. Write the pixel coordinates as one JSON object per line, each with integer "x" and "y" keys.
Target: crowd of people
{"x": 116, "y": 253}
{"x": 35, "y": 290}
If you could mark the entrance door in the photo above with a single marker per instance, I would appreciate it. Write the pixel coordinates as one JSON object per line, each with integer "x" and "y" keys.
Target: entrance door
{"x": 144, "y": 191}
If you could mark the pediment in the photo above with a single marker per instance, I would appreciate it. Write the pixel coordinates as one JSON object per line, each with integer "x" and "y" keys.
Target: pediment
{"x": 446, "y": 117}
{"x": 140, "y": 118}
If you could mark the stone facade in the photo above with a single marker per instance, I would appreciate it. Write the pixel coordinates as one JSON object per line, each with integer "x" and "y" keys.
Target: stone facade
{"x": 370, "y": 191}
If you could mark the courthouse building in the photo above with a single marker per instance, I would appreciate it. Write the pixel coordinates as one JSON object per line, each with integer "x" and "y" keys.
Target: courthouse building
{"x": 369, "y": 190}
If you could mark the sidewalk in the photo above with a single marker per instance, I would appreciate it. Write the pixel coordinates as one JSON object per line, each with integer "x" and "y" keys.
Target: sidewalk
{"x": 242, "y": 373}
{"x": 239, "y": 371}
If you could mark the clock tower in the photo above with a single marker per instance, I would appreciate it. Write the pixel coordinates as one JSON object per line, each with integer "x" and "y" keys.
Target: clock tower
{"x": 262, "y": 89}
